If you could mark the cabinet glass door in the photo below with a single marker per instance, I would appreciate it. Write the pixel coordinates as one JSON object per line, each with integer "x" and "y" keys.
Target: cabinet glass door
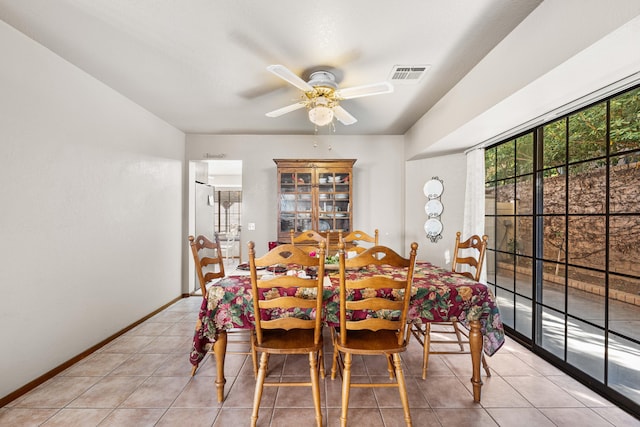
{"x": 334, "y": 203}
{"x": 296, "y": 202}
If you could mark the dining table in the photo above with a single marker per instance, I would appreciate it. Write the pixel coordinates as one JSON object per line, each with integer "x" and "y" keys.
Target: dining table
{"x": 438, "y": 295}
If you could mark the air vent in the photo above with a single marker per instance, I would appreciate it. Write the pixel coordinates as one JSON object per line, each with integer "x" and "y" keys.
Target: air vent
{"x": 408, "y": 74}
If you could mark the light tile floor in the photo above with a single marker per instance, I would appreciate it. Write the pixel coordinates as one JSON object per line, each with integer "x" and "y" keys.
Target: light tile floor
{"x": 143, "y": 379}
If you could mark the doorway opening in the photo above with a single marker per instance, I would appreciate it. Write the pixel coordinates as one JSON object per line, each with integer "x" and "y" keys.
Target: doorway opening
{"x": 226, "y": 178}
{"x": 216, "y": 207}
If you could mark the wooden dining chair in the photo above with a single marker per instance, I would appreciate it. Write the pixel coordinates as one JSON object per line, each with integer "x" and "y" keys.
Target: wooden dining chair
{"x": 308, "y": 240}
{"x": 332, "y": 240}
{"x": 208, "y": 260}
{"x": 209, "y": 263}
{"x": 307, "y": 236}
{"x": 352, "y": 240}
{"x": 468, "y": 258}
{"x": 373, "y": 323}
{"x": 288, "y": 316}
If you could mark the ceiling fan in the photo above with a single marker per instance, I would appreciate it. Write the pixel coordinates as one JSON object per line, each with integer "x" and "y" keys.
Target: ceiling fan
{"x": 322, "y": 97}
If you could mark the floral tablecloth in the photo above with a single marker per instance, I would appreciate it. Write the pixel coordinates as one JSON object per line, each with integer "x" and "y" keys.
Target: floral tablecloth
{"x": 438, "y": 295}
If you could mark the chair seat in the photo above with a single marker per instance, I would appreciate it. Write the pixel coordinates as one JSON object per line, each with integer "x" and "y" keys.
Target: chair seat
{"x": 294, "y": 341}
{"x": 370, "y": 342}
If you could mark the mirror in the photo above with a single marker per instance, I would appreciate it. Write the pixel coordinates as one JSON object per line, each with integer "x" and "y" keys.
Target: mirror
{"x": 433, "y": 188}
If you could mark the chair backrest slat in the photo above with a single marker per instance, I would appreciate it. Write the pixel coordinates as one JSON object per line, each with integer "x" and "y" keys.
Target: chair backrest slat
{"x": 356, "y": 236}
{"x": 384, "y": 300}
{"x": 462, "y": 257}
{"x": 288, "y": 301}
{"x": 307, "y": 236}
{"x": 308, "y": 240}
{"x": 207, "y": 254}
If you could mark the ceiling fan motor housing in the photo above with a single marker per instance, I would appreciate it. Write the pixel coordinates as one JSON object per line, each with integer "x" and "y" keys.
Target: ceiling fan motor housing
{"x": 323, "y": 79}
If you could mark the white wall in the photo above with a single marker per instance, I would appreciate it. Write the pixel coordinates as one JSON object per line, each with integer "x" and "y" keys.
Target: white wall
{"x": 378, "y": 177}
{"x": 91, "y": 216}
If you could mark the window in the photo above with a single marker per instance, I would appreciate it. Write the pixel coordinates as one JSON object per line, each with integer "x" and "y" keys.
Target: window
{"x": 563, "y": 219}
{"x": 228, "y": 211}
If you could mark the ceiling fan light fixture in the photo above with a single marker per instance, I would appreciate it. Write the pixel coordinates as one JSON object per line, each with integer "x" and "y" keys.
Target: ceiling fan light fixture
{"x": 321, "y": 109}
{"x": 320, "y": 115}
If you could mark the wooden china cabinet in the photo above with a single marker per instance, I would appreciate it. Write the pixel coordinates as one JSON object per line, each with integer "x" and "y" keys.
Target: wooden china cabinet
{"x": 314, "y": 195}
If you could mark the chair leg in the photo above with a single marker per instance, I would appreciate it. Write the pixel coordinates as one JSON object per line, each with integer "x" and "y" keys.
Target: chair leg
{"x": 257, "y": 397}
{"x": 426, "y": 332}
{"x": 485, "y": 366}
{"x": 334, "y": 363}
{"x": 346, "y": 386}
{"x": 390, "y": 366}
{"x": 458, "y": 335}
{"x": 425, "y": 350}
{"x": 315, "y": 386}
{"x": 254, "y": 358}
{"x": 402, "y": 388}
{"x": 321, "y": 363}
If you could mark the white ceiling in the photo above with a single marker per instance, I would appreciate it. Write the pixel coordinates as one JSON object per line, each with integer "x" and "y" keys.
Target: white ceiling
{"x": 201, "y": 64}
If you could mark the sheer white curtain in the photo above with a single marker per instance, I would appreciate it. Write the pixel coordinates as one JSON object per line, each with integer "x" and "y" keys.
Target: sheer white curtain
{"x": 474, "y": 199}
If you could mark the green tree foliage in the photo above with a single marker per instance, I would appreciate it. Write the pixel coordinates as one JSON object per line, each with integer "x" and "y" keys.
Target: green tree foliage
{"x": 577, "y": 145}
{"x": 585, "y": 132}
{"x": 624, "y": 133}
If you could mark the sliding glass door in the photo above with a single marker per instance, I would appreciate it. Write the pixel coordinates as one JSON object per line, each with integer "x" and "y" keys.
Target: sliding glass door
{"x": 563, "y": 219}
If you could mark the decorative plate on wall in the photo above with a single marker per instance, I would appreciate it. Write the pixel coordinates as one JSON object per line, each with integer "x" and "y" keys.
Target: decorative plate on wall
{"x": 433, "y": 188}
{"x": 433, "y": 227}
{"x": 433, "y": 208}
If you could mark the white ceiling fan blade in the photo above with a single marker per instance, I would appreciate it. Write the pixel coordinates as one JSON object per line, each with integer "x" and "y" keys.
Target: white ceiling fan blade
{"x": 344, "y": 116}
{"x": 365, "y": 90}
{"x": 287, "y": 109}
{"x": 289, "y": 76}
